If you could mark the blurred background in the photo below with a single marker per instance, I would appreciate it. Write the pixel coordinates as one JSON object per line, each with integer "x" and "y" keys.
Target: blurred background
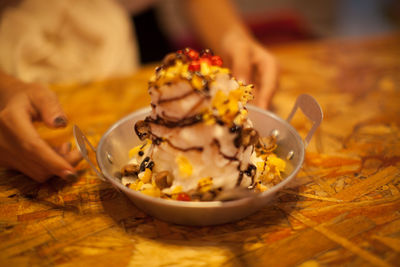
{"x": 271, "y": 21}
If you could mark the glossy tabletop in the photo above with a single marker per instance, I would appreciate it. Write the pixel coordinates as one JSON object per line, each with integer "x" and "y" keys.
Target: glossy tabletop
{"x": 342, "y": 209}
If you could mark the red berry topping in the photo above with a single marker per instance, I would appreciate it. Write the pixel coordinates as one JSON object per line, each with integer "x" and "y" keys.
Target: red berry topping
{"x": 179, "y": 52}
{"x": 183, "y": 197}
{"x": 191, "y": 53}
{"x": 216, "y": 60}
{"x": 194, "y": 66}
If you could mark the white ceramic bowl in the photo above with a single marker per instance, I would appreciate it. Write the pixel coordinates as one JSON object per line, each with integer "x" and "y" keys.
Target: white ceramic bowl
{"x": 112, "y": 155}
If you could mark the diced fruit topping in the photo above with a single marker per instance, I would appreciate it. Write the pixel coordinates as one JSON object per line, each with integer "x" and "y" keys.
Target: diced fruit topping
{"x": 205, "y": 184}
{"x": 183, "y": 197}
{"x": 197, "y": 82}
{"x": 145, "y": 176}
{"x": 194, "y": 66}
{"x": 216, "y": 61}
{"x": 206, "y": 56}
{"x": 185, "y": 168}
{"x": 184, "y": 64}
{"x": 191, "y": 53}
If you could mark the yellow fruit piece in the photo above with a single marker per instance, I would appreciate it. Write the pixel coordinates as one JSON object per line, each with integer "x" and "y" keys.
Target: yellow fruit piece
{"x": 278, "y": 163}
{"x": 260, "y": 166}
{"x": 178, "y": 64}
{"x": 145, "y": 176}
{"x": 153, "y": 78}
{"x": 215, "y": 69}
{"x": 205, "y": 181}
{"x": 205, "y": 69}
{"x": 261, "y": 187}
{"x": 154, "y": 192}
{"x": 205, "y": 184}
{"x": 205, "y": 189}
{"x": 235, "y": 95}
{"x": 185, "y": 72}
{"x": 246, "y": 93}
{"x": 224, "y": 70}
{"x": 185, "y": 168}
{"x": 208, "y": 119}
{"x": 177, "y": 189}
{"x": 221, "y": 103}
{"x": 134, "y": 151}
{"x": 241, "y": 117}
{"x": 136, "y": 185}
{"x": 232, "y": 108}
{"x": 161, "y": 73}
{"x": 219, "y": 99}
{"x": 132, "y": 185}
{"x": 227, "y": 105}
{"x": 197, "y": 82}
{"x": 171, "y": 72}
{"x": 147, "y": 145}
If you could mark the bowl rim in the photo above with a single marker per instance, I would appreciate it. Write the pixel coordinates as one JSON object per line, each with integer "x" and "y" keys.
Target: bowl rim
{"x": 201, "y": 204}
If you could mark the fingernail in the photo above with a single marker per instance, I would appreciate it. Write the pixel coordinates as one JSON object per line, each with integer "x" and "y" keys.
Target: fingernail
{"x": 69, "y": 175}
{"x": 60, "y": 121}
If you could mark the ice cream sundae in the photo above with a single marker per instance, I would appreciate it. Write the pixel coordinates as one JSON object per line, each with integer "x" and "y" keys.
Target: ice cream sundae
{"x": 198, "y": 140}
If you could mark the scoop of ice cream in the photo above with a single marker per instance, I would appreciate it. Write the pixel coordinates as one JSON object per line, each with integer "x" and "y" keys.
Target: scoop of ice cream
{"x": 198, "y": 131}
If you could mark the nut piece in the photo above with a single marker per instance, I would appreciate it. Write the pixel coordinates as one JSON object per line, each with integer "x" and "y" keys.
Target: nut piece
{"x": 171, "y": 58}
{"x": 249, "y": 136}
{"x": 142, "y": 129}
{"x": 267, "y": 144}
{"x": 130, "y": 170}
{"x": 208, "y": 196}
{"x": 163, "y": 179}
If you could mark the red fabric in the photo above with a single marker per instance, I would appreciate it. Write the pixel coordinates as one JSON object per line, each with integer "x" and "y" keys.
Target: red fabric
{"x": 273, "y": 27}
{"x": 279, "y": 27}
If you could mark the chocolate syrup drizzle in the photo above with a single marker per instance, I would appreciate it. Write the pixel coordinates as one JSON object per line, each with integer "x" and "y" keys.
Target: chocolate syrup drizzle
{"x": 155, "y": 138}
{"x": 230, "y": 158}
{"x": 161, "y": 101}
{"x": 175, "y": 124}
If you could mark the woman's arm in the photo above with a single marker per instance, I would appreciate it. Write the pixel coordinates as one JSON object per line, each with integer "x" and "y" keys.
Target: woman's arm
{"x": 220, "y": 27}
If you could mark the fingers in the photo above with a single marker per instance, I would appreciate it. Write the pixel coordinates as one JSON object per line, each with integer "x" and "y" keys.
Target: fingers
{"x": 72, "y": 156}
{"x": 64, "y": 149}
{"x": 264, "y": 76}
{"x": 241, "y": 66}
{"x": 46, "y": 103}
{"x": 21, "y": 147}
{"x": 267, "y": 83}
{"x": 33, "y": 152}
{"x": 252, "y": 63}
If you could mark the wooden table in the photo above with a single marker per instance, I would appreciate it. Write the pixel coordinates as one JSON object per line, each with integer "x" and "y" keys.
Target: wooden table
{"x": 343, "y": 209}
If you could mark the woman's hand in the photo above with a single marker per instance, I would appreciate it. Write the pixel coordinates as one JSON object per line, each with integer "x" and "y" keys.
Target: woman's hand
{"x": 21, "y": 147}
{"x": 252, "y": 63}
{"x": 219, "y": 26}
